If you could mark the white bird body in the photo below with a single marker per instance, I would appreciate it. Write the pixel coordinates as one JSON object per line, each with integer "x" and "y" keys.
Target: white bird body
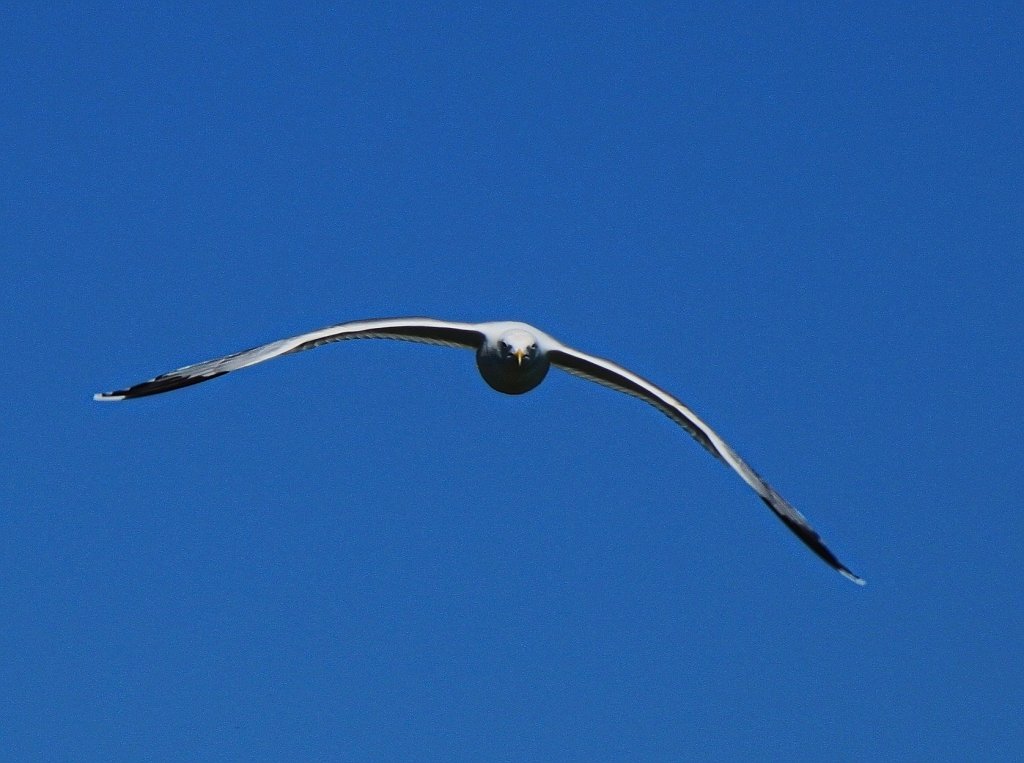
{"x": 513, "y": 358}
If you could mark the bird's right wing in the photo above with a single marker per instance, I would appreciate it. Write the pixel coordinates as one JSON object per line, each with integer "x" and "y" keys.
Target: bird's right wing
{"x": 615, "y": 376}
{"x": 425, "y": 330}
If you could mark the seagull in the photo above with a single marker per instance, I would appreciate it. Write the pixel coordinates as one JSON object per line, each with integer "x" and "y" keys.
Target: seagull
{"x": 513, "y": 358}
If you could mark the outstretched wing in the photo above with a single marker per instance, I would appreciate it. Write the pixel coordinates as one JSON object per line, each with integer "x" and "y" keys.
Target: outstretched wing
{"x": 615, "y": 376}
{"x": 425, "y": 330}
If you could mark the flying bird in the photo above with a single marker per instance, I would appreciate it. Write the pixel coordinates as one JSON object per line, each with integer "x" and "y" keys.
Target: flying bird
{"x": 512, "y": 358}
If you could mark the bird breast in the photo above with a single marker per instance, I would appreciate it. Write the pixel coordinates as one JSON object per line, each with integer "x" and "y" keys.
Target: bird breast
{"x": 505, "y": 374}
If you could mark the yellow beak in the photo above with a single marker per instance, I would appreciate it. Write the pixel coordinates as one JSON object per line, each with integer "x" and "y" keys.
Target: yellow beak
{"x": 519, "y": 356}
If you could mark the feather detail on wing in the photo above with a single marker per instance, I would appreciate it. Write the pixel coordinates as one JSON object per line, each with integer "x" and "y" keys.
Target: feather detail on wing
{"x": 612, "y": 375}
{"x": 423, "y": 330}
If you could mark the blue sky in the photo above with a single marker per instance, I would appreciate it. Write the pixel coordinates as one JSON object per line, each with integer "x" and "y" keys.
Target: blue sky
{"x": 806, "y": 223}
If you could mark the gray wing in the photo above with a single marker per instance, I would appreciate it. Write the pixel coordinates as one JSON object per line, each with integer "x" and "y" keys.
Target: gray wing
{"x": 425, "y": 330}
{"x": 615, "y": 376}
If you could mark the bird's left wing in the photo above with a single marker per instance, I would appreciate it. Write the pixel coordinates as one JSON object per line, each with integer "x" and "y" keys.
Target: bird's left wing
{"x": 426, "y": 330}
{"x": 615, "y": 376}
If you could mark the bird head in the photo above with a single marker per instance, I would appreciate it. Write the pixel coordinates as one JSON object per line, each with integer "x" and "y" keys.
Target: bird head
{"x": 519, "y": 347}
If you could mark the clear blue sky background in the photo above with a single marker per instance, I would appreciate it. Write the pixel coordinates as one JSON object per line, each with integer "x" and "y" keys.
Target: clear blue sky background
{"x": 807, "y": 223}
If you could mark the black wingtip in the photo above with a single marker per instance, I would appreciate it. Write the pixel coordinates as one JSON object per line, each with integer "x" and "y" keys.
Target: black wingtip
{"x": 813, "y": 541}
{"x": 154, "y": 387}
